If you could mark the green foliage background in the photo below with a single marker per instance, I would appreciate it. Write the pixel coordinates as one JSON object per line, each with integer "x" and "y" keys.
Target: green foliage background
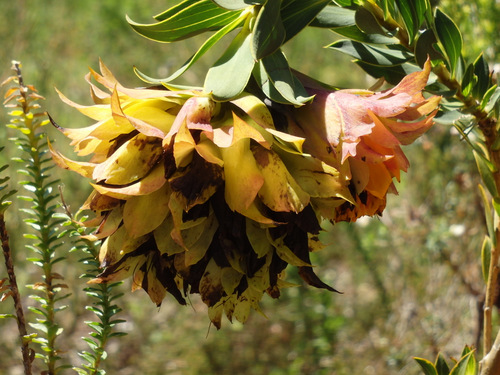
{"x": 409, "y": 279}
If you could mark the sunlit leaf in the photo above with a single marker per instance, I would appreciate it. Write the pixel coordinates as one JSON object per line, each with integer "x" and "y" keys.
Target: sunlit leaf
{"x": 297, "y": 14}
{"x": 237, "y": 4}
{"x": 468, "y": 80}
{"x": 209, "y": 43}
{"x": 392, "y": 74}
{"x": 278, "y": 71}
{"x": 333, "y": 16}
{"x": 412, "y": 13}
{"x": 482, "y": 72}
{"x": 451, "y": 39}
{"x": 486, "y": 257}
{"x": 353, "y": 32}
{"x": 175, "y": 9}
{"x": 426, "y": 366}
{"x": 466, "y": 366}
{"x": 371, "y": 54}
{"x": 488, "y": 215}
{"x": 268, "y": 32}
{"x": 236, "y": 64}
{"x": 424, "y": 47}
{"x": 485, "y": 170}
{"x": 367, "y": 22}
{"x": 441, "y": 365}
{"x": 191, "y": 20}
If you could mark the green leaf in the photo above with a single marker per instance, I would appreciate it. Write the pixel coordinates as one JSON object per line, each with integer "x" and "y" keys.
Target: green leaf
{"x": 468, "y": 80}
{"x": 6, "y": 316}
{"x": 371, "y": 54}
{"x": 333, "y": 16}
{"x": 297, "y": 14}
{"x": 493, "y": 102}
{"x": 230, "y": 74}
{"x": 413, "y": 13}
{"x": 175, "y": 9}
{"x": 343, "y": 3}
{"x": 392, "y": 74}
{"x": 482, "y": 72}
{"x": 367, "y": 22}
{"x": 441, "y": 365}
{"x": 237, "y": 4}
{"x": 278, "y": 71}
{"x": 268, "y": 32}
{"x": 486, "y": 257}
{"x": 424, "y": 48}
{"x": 191, "y": 20}
{"x": 427, "y": 366}
{"x": 451, "y": 39}
{"x": 353, "y": 32}
{"x": 209, "y": 43}
{"x": 485, "y": 170}
{"x": 488, "y": 215}
{"x": 466, "y": 366}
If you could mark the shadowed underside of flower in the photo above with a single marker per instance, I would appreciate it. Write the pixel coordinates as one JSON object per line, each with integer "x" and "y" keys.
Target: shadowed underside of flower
{"x": 197, "y": 196}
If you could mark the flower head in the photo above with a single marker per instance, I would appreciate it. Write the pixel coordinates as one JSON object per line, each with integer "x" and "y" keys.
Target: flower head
{"x": 361, "y": 132}
{"x": 197, "y": 196}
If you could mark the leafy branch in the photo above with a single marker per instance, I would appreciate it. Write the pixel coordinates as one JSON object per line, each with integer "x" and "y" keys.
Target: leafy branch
{"x": 103, "y": 294}
{"x": 28, "y": 120}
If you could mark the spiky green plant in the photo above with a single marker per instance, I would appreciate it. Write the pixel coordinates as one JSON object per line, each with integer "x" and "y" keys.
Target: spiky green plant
{"x": 28, "y": 119}
{"x": 103, "y": 296}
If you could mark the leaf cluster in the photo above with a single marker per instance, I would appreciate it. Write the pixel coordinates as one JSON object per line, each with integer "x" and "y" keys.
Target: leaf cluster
{"x": 466, "y": 365}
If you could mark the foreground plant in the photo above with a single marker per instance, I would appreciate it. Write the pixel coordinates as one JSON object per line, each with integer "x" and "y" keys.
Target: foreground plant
{"x": 198, "y": 196}
{"x": 28, "y": 120}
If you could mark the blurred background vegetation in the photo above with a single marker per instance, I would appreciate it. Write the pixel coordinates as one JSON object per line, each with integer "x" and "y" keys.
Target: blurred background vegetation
{"x": 410, "y": 279}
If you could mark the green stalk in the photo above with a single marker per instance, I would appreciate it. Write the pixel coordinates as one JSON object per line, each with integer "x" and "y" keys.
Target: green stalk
{"x": 28, "y": 120}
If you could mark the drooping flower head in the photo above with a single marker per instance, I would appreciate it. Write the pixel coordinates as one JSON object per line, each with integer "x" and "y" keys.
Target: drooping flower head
{"x": 197, "y": 196}
{"x": 360, "y": 133}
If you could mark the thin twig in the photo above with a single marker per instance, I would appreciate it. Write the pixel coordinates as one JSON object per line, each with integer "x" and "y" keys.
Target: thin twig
{"x": 21, "y": 322}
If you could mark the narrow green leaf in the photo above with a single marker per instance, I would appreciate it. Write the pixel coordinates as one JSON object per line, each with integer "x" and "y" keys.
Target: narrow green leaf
{"x": 367, "y": 22}
{"x": 493, "y": 102}
{"x": 353, "y": 32}
{"x": 297, "y": 14}
{"x": 371, "y": 54}
{"x": 7, "y": 316}
{"x": 441, "y": 365}
{"x": 343, "y": 3}
{"x": 488, "y": 215}
{"x": 485, "y": 170}
{"x": 268, "y": 33}
{"x": 486, "y": 257}
{"x": 392, "y": 74}
{"x": 412, "y": 13}
{"x": 487, "y": 96}
{"x": 237, "y": 4}
{"x": 230, "y": 74}
{"x": 466, "y": 366}
{"x": 333, "y": 16}
{"x": 192, "y": 20}
{"x": 468, "y": 80}
{"x": 449, "y": 117}
{"x": 482, "y": 72}
{"x": 278, "y": 71}
{"x": 174, "y": 10}
{"x": 451, "y": 39}
{"x": 209, "y": 43}
{"x": 427, "y": 366}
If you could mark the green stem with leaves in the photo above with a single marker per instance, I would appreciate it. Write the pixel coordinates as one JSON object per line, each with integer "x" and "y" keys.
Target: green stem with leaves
{"x": 28, "y": 120}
